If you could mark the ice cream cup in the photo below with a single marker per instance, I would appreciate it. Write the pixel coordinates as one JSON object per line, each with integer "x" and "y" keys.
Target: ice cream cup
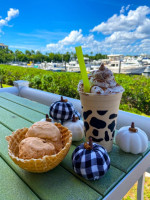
{"x": 43, "y": 164}
{"x": 100, "y": 116}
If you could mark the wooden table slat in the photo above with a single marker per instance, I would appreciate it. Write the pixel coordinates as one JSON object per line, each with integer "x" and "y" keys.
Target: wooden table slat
{"x": 25, "y": 102}
{"x": 11, "y": 186}
{"x": 12, "y": 121}
{"x": 123, "y": 161}
{"x": 21, "y": 111}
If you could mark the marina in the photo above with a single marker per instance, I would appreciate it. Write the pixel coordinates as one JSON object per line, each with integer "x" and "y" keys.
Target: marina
{"x": 116, "y": 63}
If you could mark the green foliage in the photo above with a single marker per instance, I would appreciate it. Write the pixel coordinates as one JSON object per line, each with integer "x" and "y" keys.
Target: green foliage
{"x": 137, "y": 92}
{"x": 7, "y": 55}
{"x": 97, "y": 56}
{"x": 136, "y": 97}
{"x": 66, "y": 57}
{"x": 5, "y": 86}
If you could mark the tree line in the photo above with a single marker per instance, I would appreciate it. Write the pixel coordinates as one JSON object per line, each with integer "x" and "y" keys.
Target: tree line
{"x": 7, "y": 55}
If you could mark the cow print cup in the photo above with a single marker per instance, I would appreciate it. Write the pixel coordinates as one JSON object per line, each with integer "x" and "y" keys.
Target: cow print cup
{"x": 100, "y": 115}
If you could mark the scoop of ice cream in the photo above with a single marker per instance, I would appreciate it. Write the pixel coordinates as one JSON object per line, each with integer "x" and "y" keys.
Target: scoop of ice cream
{"x": 33, "y": 147}
{"x": 46, "y": 130}
{"x": 102, "y": 82}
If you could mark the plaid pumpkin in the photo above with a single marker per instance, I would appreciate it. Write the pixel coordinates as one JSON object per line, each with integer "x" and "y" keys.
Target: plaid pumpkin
{"x": 61, "y": 110}
{"x": 90, "y": 164}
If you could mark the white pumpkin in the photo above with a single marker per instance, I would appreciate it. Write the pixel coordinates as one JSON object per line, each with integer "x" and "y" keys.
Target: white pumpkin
{"x": 132, "y": 139}
{"x": 76, "y": 126}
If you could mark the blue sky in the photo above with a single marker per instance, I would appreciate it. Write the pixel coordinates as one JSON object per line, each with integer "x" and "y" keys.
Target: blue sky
{"x": 107, "y": 27}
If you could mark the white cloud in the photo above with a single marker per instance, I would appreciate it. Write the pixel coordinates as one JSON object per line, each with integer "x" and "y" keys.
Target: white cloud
{"x": 125, "y": 37}
{"x": 123, "y": 22}
{"x": 127, "y": 7}
{"x": 126, "y": 33}
{"x": 3, "y": 22}
{"x": 11, "y": 13}
{"x": 145, "y": 45}
{"x": 145, "y": 27}
{"x": 122, "y": 9}
{"x": 54, "y": 47}
{"x": 72, "y": 38}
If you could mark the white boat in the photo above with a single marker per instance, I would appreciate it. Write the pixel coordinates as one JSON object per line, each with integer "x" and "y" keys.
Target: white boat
{"x": 146, "y": 61}
{"x": 50, "y": 66}
{"x": 73, "y": 66}
{"x": 126, "y": 65}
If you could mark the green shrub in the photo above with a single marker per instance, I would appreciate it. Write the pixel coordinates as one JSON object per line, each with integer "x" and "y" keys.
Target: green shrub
{"x": 136, "y": 97}
{"x": 137, "y": 92}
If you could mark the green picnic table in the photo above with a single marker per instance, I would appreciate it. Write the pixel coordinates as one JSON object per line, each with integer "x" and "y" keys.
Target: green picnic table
{"x": 61, "y": 183}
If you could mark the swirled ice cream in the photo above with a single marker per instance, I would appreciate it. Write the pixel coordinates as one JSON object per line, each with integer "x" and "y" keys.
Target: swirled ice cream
{"x": 102, "y": 82}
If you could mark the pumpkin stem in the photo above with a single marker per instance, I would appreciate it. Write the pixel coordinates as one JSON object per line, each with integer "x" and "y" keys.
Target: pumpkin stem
{"x": 90, "y": 142}
{"x": 132, "y": 128}
{"x": 63, "y": 100}
{"x": 47, "y": 118}
{"x": 74, "y": 119}
{"x": 132, "y": 125}
{"x": 90, "y": 145}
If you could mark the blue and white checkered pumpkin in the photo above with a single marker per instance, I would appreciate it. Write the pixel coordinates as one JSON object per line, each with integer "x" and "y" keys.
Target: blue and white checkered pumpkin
{"x": 91, "y": 164}
{"x": 61, "y": 110}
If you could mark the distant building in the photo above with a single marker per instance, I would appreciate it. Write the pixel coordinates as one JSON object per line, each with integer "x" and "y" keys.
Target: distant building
{"x": 115, "y": 57}
{"x": 3, "y": 46}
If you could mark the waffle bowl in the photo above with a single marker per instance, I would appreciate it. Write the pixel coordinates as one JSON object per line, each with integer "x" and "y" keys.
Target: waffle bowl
{"x": 43, "y": 164}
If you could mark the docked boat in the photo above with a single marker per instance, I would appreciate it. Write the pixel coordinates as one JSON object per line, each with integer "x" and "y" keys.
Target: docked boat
{"x": 127, "y": 64}
{"x": 73, "y": 66}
